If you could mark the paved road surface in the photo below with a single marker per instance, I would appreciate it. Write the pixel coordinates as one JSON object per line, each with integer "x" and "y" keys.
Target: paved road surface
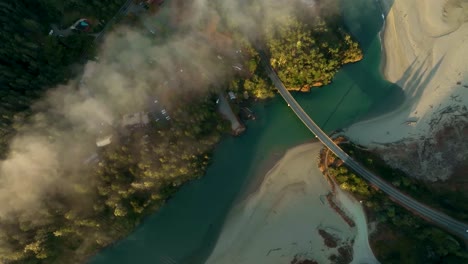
{"x": 453, "y": 226}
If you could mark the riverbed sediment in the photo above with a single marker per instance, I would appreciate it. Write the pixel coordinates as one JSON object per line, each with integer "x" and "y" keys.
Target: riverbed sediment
{"x": 425, "y": 43}
{"x": 280, "y": 220}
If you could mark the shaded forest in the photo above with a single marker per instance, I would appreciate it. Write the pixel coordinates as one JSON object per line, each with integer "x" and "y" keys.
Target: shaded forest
{"x": 32, "y": 61}
{"x": 402, "y": 237}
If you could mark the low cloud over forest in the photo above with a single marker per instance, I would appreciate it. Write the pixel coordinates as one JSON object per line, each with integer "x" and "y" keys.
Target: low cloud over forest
{"x": 46, "y": 160}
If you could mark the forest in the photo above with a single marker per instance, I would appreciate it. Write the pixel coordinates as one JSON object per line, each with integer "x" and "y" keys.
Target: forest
{"x": 125, "y": 185}
{"x": 140, "y": 170}
{"x": 304, "y": 52}
{"x": 32, "y": 61}
{"x": 403, "y": 237}
{"x": 310, "y": 55}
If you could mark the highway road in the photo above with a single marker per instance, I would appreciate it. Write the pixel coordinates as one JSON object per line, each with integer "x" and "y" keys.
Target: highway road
{"x": 444, "y": 221}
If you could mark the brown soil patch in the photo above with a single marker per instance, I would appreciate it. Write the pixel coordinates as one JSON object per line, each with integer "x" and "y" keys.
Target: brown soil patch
{"x": 330, "y": 240}
{"x": 345, "y": 254}
{"x": 337, "y": 209}
{"x": 303, "y": 261}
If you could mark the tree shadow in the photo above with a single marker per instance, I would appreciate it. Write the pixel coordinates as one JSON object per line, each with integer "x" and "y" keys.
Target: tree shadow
{"x": 386, "y": 96}
{"x": 364, "y": 19}
{"x": 416, "y": 78}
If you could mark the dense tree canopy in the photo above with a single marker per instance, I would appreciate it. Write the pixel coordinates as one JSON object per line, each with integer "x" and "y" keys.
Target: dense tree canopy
{"x": 310, "y": 55}
{"x": 303, "y": 55}
{"x": 31, "y": 60}
{"x": 132, "y": 178}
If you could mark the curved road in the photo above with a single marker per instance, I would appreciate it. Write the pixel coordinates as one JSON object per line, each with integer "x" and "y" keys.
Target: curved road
{"x": 453, "y": 226}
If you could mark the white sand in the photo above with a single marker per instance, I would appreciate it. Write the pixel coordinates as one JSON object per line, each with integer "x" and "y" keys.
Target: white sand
{"x": 426, "y": 49}
{"x": 280, "y": 220}
{"x": 362, "y": 250}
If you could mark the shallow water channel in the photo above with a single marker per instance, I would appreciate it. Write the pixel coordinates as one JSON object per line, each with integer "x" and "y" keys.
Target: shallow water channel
{"x": 186, "y": 228}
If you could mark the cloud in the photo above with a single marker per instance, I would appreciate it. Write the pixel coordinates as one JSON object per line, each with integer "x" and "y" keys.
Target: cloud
{"x": 30, "y": 171}
{"x": 46, "y": 157}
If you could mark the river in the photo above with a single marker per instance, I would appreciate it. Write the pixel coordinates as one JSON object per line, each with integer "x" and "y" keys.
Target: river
{"x": 186, "y": 228}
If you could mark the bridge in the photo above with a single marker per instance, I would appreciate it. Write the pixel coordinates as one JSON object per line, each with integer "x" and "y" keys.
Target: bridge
{"x": 455, "y": 227}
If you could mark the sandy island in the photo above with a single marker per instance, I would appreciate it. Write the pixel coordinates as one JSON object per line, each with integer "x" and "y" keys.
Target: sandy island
{"x": 281, "y": 219}
{"x": 425, "y": 43}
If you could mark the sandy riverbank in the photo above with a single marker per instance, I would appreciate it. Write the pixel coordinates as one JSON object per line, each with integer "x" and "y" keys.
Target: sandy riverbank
{"x": 280, "y": 220}
{"x": 425, "y": 48}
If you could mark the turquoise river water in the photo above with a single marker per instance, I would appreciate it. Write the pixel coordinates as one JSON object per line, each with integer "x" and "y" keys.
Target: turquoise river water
{"x": 186, "y": 228}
